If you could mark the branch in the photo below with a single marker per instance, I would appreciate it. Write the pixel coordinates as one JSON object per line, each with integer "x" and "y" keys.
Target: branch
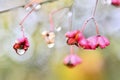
{"x": 94, "y": 10}
{"x": 51, "y": 18}
{"x": 49, "y": 1}
{"x": 91, "y": 18}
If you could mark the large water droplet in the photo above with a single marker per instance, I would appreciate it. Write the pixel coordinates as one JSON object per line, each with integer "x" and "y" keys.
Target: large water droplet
{"x": 50, "y": 45}
{"x": 20, "y": 51}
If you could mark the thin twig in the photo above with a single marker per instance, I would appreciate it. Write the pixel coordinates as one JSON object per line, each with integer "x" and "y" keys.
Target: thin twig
{"x": 85, "y": 23}
{"x": 71, "y": 18}
{"x": 96, "y": 25}
{"x": 92, "y": 17}
{"x": 51, "y": 18}
{"x": 94, "y": 10}
{"x": 71, "y": 49}
{"x": 26, "y": 16}
{"x": 22, "y": 29}
{"x": 21, "y": 23}
{"x": 16, "y": 7}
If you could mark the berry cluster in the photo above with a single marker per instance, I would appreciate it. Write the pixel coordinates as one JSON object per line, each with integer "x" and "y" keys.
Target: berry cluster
{"x": 22, "y": 44}
{"x": 77, "y": 38}
{"x": 74, "y": 37}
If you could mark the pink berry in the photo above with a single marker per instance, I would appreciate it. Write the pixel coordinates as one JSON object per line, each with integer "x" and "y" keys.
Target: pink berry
{"x": 72, "y": 60}
{"x": 103, "y": 42}
{"x": 21, "y": 45}
{"x": 83, "y": 43}
{"x": 116, "y": 3}
{"x": 92, "y": 41}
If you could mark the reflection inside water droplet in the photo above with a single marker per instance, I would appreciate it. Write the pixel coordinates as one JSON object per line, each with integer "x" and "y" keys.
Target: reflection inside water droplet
{"x": 21, "y": 51}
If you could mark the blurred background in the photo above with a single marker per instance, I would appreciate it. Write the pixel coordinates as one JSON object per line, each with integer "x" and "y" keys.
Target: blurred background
{"x": 43, "y": 63}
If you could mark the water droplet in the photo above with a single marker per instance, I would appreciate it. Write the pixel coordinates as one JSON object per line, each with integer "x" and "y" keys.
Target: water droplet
{"x": 20, "y": 51}
{"x": 50, "y": 45}
{"x": 36, "y": 6}
{"x": 58, "y": 28}
{"x": 28, "y": 9}
{"x": 69, "y": 14}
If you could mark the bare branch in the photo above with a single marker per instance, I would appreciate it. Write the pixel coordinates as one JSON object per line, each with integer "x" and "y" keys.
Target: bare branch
{"x": 49, "y": 1}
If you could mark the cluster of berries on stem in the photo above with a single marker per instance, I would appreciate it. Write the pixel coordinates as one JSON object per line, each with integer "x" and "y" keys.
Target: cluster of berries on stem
{"x": 77, "y": 38}
{"x": 74, "y": 37}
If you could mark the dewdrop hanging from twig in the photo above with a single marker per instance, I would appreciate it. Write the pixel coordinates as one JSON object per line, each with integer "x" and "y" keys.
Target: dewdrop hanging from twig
{"x": 22, "y": 44}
